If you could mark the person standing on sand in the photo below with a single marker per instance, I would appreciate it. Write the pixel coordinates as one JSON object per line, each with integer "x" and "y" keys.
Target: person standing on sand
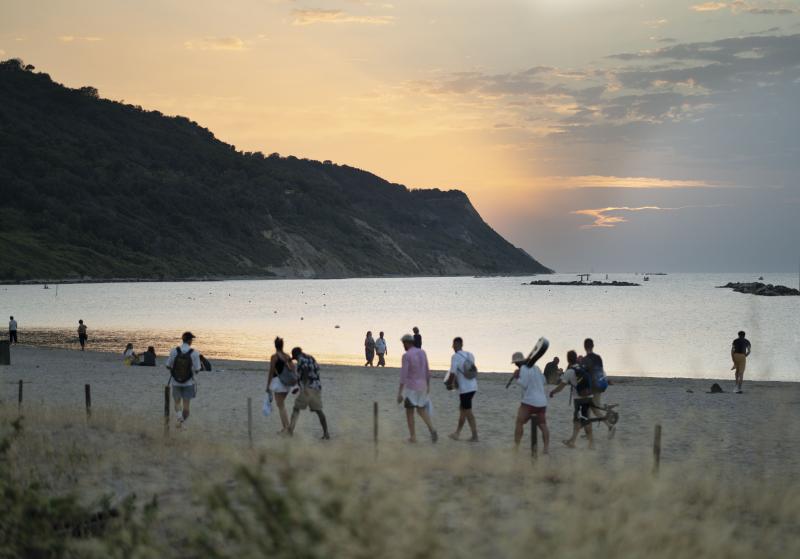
{"x": 552, "y": 371}
{"x": 417, "y": 338}
{"x": 310, "y": 395}
{"x": 369, "y": 349}
{"x": 583, "y": 402}
{"x": 381, "y": 350}
{"x": 82, "y": 337}
{"x": 594, "y": 364}
{"x": 534, "y": 401}
{"x": 739, "y": 352}
{"x": 12, "y": 330}
{"x": 415, "y": 387}
{"x": 183, "y": 364}
{"x": 279, "y": 362}
{"x": 467, "y": 388}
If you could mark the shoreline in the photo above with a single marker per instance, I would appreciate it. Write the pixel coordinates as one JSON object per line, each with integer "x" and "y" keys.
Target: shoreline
{"x": 225, "y": 363}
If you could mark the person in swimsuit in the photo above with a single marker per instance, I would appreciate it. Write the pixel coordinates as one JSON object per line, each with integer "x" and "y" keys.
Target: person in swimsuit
{"x": 277, "y": 363}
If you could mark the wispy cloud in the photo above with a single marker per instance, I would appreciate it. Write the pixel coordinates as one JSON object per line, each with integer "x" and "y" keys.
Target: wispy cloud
{"x": 75, "y": 39}
{"x": 709, "y": 7}
{"x": 600, "y": 181}
{"x": 609, "y": 217}
{"x": 656, "y": 23}
{"x": 743, "y": 7}
{"x": 311, "y": 17}
{"x": 216, "y": 43}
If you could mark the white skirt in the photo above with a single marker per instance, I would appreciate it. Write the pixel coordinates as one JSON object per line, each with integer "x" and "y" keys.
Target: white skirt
{"x": 277, "y": 386}
{"x": 417, "y": 398}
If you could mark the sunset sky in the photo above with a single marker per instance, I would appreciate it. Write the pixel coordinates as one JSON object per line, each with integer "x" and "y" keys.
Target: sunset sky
{"x": 607, "y": 135}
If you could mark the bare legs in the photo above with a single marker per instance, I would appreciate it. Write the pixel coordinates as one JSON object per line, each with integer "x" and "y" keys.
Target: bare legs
{"x": 323, "y": 421}
{"x": 576, "y": 428}
{"x": 466, "y": 416}
{"x": 423, "y": 413}
{"x": 280, "y": 400}
{"x": 522, "y": 418}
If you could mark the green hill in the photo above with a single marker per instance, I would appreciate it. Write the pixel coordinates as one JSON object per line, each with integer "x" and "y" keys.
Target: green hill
{"x": 93, "y": 188}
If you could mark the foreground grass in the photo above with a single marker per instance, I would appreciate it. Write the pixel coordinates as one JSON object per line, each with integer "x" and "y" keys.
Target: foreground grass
{"x": 185, "y": 497}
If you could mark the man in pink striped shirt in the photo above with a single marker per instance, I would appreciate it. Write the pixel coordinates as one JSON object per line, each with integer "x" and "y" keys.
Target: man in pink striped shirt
{"x": 415, "y": 387}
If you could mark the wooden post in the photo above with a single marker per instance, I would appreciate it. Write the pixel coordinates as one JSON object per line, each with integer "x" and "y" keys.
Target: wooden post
{"x": 534, "y": 436}
{"x": 87, "y": 389}
{"x": 166, "y": 410}
{"x": 250, "y": 421}
{"x": 19, "y": 403}
{"x": 375, "y": 426}
{"x": 656, "y": 449}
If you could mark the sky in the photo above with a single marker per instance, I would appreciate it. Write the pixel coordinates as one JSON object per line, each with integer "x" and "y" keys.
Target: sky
{"x": 598, "y": 135}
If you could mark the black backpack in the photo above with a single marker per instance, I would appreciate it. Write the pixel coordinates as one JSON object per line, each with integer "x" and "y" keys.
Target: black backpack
{"x": 584, "y": 380}
{"x": 182, "y": 370}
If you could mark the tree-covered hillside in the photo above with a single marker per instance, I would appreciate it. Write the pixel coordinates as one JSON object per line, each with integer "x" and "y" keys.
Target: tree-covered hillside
{"x": 96, "y": 188}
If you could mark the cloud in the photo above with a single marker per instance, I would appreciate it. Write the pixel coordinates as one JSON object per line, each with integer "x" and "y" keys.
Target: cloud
{"x": 605, "y": 218}
{"x": 709, "y": 7}
{"x": 74, "y": 39}
{"x": 600, "y": 181}
{"x": 742, "y": 7}
{"x": 217, "y": 43}
{"x": 311, "y": 17}
{"x": 656, "y": 23}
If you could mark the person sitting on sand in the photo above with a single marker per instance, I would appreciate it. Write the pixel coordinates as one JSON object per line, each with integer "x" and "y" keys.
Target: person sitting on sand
{"x": 415, "y": 387}
{"x": 582, "y": 403}
{"x": 552, "y": 371}
{"x": 310, "y": 395}
{"x": 369, "y": 349}
{"x": 534, "y": 401}
{"x": 148, "y": 358}
{"x": 466, "y": 389}
{"x": 82, "y": 337}
{"x": 381, "y": 350}
{"x": 740, "y": 349}
{"x": 183, "y": 364}
{"x": 129, "y": 356}
{"x": 279, "y": 362}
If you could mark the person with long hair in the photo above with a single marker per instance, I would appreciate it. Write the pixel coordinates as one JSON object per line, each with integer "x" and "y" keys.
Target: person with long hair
{"x": 279, "y": 363}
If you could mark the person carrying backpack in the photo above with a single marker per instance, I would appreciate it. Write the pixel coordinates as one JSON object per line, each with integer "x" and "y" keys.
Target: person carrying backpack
{"x": 465, "y": 376}
{"x": 594, "y": 364}
{"x": 183, "y": 364}
{"x": 578, "y": 378}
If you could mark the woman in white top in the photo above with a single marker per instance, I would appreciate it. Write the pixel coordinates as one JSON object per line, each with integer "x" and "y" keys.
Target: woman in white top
{"x": 534, "y": 400}
{"x": 277, "y": 363}
{"x": 129, "y": 357}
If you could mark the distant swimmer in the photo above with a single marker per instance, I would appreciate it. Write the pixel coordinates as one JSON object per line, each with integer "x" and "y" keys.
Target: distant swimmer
{"x": 740, "y": 350}
{"x": 417, "y": 338}
{"x": 82, "y": 335}
{"x": 12, "y": 330}
{"x": 369, "y": 349}
{"x": 415, "y": 387}
{"x": 381, "y": 349}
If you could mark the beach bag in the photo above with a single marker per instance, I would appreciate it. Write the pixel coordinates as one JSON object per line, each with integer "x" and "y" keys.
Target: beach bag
{"x": 450, "y": 382}
{"x": 469, "y": 370}
{"x": 181, "y": 370}
{"x": 266, "y": 409}
{"x": 599, "y": 379}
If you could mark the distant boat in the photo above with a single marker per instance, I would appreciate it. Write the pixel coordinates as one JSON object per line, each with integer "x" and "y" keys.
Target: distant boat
{"x": 647, "y": 278}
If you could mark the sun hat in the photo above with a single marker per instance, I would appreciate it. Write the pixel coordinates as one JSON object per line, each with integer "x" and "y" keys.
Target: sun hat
{"x": 407, "y": 338}
{"x": 517, "y": 358}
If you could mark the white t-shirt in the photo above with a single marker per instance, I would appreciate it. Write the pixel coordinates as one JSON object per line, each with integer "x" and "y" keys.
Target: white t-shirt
{"x": 128, "y": 353}
{"x": 457, "y": 365}
{"x": 380, "y": 345}
{"x": 532, "y": 382}
{"x": 12, "y": 325}
{"x": 195, "y": 363}
{"x": 569, "y": 377}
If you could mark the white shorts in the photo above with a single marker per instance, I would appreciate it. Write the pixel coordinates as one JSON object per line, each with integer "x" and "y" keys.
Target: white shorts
{"x": 277, "y": 386}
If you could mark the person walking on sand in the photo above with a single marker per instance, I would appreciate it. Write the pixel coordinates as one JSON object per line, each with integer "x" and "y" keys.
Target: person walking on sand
{"x": 369, "y": 349}
{"x": 460, "y": 365}
{"x": 12, "y": 330}
{"x": 415, "y": 387}
{"x": 381, "y": 349}
{"x": 281, "y": 372}
{"x": 578, "y": 378}
{"x": 82, "y": 336}
{"x": 534, "y": 401}
{"x": 594, "y": 364}
{"x": 183, "y": 364}
{"x": 740, "y": 349}
{"x": 310, "y": 395}
{"x": 417, "y": 338}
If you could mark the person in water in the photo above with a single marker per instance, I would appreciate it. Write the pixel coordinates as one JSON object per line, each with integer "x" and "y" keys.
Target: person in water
{"x": 281, "y": 369}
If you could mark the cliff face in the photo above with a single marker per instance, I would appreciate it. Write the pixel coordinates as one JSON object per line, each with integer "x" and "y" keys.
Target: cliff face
{"x": 96, "y": 188}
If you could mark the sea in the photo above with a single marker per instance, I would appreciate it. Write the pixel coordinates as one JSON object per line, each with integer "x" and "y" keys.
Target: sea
{"x": 675, "y": 325}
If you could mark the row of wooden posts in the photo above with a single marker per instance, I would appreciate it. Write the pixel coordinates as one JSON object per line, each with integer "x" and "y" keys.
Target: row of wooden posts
{"x": 534, "y": 437}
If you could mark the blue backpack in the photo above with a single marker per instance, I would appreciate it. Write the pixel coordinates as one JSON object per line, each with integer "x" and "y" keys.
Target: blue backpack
{"x": 599, "y": 380}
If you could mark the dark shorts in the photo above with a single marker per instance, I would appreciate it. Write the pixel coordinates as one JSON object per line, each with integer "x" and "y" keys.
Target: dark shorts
{"x": 582, "y": 407}
{"x": 528, "y": 411}
{"x": 12, "y": 336}
{"x": 82, "y": 338}
{"x": 465, "y": 400}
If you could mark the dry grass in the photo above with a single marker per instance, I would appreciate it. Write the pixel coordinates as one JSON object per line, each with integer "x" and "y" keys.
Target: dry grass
{"x": 300, "y": 499}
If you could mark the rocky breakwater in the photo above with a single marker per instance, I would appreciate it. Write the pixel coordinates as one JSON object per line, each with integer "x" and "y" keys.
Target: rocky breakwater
{"x": 585, "y": 283}
{"x": 758, "y": 288}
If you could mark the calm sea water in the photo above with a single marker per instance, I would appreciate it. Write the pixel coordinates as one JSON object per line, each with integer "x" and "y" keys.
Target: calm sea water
{"x": 674, "y": 325}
